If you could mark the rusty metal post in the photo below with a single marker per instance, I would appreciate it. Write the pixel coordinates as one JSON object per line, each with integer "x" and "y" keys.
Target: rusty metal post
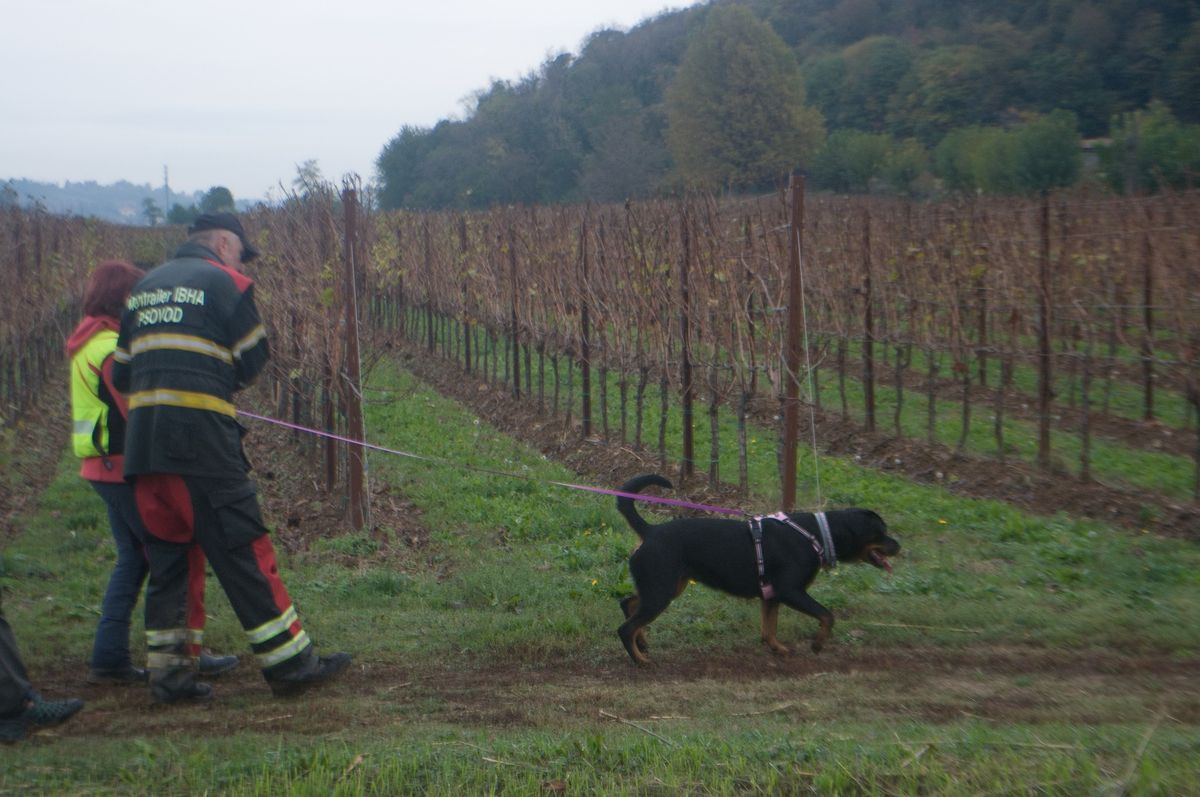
{"x": 795, "y": 331}
{"x": 353, "y": 394}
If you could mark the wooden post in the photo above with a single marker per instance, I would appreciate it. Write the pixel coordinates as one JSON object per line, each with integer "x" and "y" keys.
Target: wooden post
{"x": 868, "y": 327}
{"x": 1045, "y": 392}
{"x": 688, "y": 462}
{"x": 514, "y": 332}
{"x": 1147, "y": 328}
{"x": 353, "y": 394}
{"x": 467, "y": 332}
{"x": 584, "y": 335}
{"x": 429, "y": 336}
{"x": 795, "y": 331}
{"x": 1085, "y": 406}
{"x": 327, "y": 418}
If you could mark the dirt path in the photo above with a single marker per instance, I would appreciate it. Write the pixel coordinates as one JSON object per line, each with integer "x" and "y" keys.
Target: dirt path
{"x": 996, "y": 684}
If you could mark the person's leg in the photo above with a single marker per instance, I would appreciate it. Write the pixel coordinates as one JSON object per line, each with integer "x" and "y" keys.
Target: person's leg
{"x": 229, "y": 527}
{"x": 176, "y": 566}
{"x": 112, "y": 637}
{"x": 110, "y": 652}
{"x": 21, "y": 708}
{"x": 14, "y": 681}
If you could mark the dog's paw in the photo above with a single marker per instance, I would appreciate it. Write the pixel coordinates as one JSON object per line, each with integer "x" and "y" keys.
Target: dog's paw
{"x": 777, "y": 647}
{"x": 817, "y": 644}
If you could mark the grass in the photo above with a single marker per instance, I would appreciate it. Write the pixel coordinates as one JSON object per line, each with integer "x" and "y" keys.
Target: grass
{"x": 485, "y": 661}
{"x": 855, "y": 759}
{"x": 1168, "y": 474}
{"x": 1172, "y": 476}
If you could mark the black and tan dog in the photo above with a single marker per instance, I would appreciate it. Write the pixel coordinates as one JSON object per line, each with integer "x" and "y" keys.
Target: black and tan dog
{"x": 721, "y": 554}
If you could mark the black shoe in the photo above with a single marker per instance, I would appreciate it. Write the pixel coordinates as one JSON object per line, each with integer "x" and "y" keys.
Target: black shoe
{"x": 326, "y": 669}
{"x": 211, "y": 665}
{"x": 122, "y": 677}
{"x": 38, "y": 714}
{"x": 194, "y": 692}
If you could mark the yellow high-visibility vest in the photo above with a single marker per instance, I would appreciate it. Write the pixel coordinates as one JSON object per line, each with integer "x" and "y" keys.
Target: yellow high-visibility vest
{"x": 89, "y": 412}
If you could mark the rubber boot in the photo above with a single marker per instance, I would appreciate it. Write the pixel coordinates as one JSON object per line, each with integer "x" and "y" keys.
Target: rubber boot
{"x": 178, "y": 684}
{"x": 311, "y": 670}
{"x": 212, "y": 665}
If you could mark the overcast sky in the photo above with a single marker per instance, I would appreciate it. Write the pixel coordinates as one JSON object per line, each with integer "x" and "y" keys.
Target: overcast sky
{"x": 240, "y": 92}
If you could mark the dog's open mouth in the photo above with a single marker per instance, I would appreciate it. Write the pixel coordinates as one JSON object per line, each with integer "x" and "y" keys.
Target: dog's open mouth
{"x": 876, "y": 557}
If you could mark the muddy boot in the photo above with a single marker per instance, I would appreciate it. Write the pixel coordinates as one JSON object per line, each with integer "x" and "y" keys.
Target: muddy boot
{"x": 312, "y": 670}
{"x": 212, "y": 665}
{"x": 124, "y": 676}
{"x": 176, "y": 685}
{"x": 37, "y": 714}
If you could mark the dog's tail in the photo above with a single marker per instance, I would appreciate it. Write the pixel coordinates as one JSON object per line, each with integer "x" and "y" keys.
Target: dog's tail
{"x": 626, "y": 505}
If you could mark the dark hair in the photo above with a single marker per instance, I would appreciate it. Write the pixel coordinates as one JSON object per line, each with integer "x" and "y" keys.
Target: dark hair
{"x": 109, "y": 286}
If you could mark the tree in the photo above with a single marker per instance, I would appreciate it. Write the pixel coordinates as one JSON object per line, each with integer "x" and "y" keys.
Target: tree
{"x": 874, "y": 68}
{"x": 217, "y": 199}
{"x": 178, "y": 214}
{"x": 398, "y": 166}
{"x": 1151, "y": 150}
{"x": 1047, "y": 152}
{"x": 1036, "y": 157}
{"x": 1061, "y": 78}
{"x": 308, "y": 178}
{"x": 735, "y": 110}
{"x": 948, "y": 87}
{"x": 951, "y": 160}
{"x": 976, "y": 159}
{"x": 627, "y": 158}
{"x": 850, "y": 159}
{"x": 1183, "y": 78}
{"x": 151, "y": 211}
{"x": 906, "y": 167}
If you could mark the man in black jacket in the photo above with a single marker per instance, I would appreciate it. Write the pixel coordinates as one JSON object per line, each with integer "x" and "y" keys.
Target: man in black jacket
{"x": 190, "y": 337}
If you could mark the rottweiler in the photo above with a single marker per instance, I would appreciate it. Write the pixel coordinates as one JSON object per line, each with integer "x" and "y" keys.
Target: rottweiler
{"x": 722, "y": 554}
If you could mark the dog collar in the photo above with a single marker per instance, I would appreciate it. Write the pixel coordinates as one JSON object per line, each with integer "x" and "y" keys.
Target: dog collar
{"x": 827, "y": 539}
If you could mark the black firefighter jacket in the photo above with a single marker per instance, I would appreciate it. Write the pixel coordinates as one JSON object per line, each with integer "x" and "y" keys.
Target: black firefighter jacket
{"x": 190, "y": 336}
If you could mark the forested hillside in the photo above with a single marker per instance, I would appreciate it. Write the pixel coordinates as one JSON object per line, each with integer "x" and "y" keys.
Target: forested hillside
{"x": 911, "y": 97}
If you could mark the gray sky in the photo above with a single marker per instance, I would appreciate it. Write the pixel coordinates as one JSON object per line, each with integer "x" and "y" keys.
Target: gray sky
{"x": 240, "y": 92}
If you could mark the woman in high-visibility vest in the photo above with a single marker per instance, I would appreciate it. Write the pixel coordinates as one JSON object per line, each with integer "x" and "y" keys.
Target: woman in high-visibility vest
{"x": 98, "y": 412}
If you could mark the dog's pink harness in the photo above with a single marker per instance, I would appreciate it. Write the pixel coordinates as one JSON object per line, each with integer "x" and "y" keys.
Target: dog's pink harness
{"x": 825, "y": 553}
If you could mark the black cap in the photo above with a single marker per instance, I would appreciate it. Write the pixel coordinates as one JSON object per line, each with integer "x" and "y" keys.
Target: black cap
{"x": 225, "y": 221}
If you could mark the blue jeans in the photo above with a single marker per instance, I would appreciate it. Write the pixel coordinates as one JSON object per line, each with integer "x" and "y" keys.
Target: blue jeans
{"x": 111, "y": 648}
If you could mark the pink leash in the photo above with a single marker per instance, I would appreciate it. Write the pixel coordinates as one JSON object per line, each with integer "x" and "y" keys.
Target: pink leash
{"x": 599, "y": 490}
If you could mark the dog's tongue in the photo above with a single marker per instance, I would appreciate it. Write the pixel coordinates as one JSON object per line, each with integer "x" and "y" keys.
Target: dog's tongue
{"x": 881, "y": 560}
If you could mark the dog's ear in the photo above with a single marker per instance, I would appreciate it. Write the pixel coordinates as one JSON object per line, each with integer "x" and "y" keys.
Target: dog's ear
{"x": 869, "y": 527}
